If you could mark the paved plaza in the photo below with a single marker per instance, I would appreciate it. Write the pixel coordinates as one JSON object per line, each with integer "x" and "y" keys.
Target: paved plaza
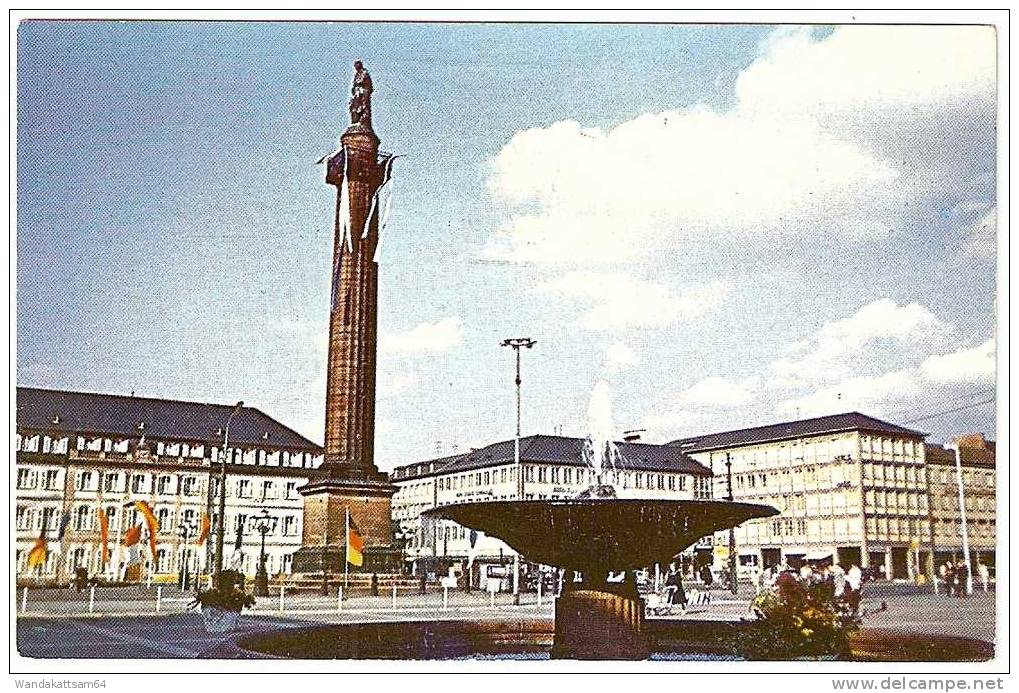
{"x": 124, "y": 623}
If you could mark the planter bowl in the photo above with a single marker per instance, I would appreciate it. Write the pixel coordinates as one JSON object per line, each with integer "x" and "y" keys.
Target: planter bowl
{"x": 218, "y": 621}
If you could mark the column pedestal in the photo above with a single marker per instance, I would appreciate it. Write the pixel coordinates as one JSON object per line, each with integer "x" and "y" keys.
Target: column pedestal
{"x": 604, "y": 621}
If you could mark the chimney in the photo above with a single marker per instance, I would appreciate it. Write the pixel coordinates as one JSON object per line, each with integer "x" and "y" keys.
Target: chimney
{"x": 633, "y": 435}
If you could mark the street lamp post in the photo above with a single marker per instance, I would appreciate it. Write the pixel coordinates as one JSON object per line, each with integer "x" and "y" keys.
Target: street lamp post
{"x": 263, "y": 523}
{"x": 962, "y": 516}
{"x": 222, "y": 495}
{"x": 732, "y": 531}
{"x": 516, "y": 343}
{"x": 185, "y": 571}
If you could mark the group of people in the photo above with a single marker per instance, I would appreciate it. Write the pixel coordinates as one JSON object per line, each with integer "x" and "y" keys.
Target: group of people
{"x": 956, "y": 577}
{"x": 846, "y": 585}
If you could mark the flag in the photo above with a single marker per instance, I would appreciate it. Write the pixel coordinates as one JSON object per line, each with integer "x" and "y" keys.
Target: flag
{"x": 387, "y": 173}
{"x": 37, "y": 555}
{"x": 355, "y": 544}
{"x": 343, "y": 209}
{"x": 203, "y": 533}
{"x": 132, "y": 538}
{"x": 152, "y": 523}
{"x": 133, "y": 535}
{"x": 104, "y": 536}
{"x": 387, "y": 182}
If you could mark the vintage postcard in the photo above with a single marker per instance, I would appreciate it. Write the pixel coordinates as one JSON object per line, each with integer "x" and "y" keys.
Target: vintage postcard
{"x": 662, "y": 346}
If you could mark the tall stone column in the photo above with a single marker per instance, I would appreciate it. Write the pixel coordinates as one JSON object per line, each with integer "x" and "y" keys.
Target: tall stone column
{"x": 349, "y": 481}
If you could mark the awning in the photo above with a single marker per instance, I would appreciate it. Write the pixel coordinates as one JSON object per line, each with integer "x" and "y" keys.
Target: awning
{"x": 819, "y": 555}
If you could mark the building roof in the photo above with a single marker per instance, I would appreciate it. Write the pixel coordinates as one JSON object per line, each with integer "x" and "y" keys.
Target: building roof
{"x": 969, "y": 456}
{"x": 165, "y": 419}
{"x": 553, "y": 450}
{"x": 836, "y": 423}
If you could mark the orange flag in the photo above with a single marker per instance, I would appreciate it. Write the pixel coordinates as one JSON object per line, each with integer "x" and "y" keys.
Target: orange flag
{"x": 203, "y": 533}
{"x": 104, "y": 536}
{"x": 152, "y": 523}
{"x": 133, "y": 535}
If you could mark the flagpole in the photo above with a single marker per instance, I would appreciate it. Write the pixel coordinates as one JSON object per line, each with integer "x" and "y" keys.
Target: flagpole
{"x": 346, "y": 549}
{"x": 115, "y": 567}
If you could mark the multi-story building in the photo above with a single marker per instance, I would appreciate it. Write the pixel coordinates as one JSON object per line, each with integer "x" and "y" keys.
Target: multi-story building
{"x": 78, "y": 452}
{"x": 977, "y": 461}
{"x": 553, "y": 467}
{"x": 850, "y": 488}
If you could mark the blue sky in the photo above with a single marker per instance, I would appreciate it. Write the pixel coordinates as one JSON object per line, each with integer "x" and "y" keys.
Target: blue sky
{"x": 729, "y": 224}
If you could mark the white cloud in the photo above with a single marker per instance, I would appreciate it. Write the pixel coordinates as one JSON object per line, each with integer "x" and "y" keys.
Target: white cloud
{"x": 584, "y": 196}
{"x": 981, "y": 239}
{"x": 706, "y": 404}
{"x": 720, "y": 392}
{"x": 623, "y": 301}
{"x": 826, "y": 140}
{"x": 837, "y": 347}
{"x": 618, "y": 356}
{"x": 885, "y": 359}
{"x": 965, "y": 365}
{"x": 889, "y": 69}
{"x": 392, "y": 382}
{"x": 424, "y": 337}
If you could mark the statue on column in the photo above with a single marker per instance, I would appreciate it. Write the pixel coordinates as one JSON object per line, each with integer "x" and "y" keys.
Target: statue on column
{"x": 361, "y": 97}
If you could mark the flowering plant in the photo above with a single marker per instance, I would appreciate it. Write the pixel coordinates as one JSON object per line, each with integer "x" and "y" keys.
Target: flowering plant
{"x": 229, "y": 596}
{"x": 796, "y": 619}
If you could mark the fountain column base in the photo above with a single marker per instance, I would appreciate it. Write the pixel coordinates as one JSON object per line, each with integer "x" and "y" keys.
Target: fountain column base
{"x": 604, "y": 621}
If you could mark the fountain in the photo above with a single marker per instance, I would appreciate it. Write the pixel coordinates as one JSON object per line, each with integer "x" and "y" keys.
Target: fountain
{"x": 595, "y": 534}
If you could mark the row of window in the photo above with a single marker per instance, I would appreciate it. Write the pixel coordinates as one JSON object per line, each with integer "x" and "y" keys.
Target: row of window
{"x": 142, "y": 483}
{"x": 970, "y": 477}
{"x": 811, "y": 451}
{"x": 258, "y": 456}
{"x": 951, "y": 502}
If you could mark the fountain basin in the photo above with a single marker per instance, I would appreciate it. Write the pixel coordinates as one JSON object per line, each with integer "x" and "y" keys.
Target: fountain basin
{"x": 601, "y": 534}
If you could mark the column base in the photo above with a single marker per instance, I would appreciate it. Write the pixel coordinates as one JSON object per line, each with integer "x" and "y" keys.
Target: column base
{"x": 603, "y": 623}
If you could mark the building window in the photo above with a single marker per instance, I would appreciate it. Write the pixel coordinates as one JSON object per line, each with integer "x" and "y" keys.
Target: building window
{"x": 84, "y": 481}
{"x": 244, "y": 488}
{"x": 83, "y": 518}
{"x": 291, "y": 490}
{"x": 23, "y": 517}
{"x": 165, "y": 485}
{"x": 111, "y": 483}
{"x": 289, "y": 526}
{"x": 268, "y": 490}
{"x": 189, "y": 485}
{"x": 164, "y": 519}
{"x": 139, "y": 483}
{"x": 26, "y": 478}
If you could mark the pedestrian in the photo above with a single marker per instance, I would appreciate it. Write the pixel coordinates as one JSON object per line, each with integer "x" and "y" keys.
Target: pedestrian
{"x": 854, "y": 587}
{"x": 961, "y": 580}
{"x": 838, "y": 581}
{"x": 706, "y": 577}
{"x": 984, "y": 572}
{"x": 422, "y": 582}
{"x": 677, "y": 594}
{"x": 375, "y": 584}
{"x": 951, "y": 584}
